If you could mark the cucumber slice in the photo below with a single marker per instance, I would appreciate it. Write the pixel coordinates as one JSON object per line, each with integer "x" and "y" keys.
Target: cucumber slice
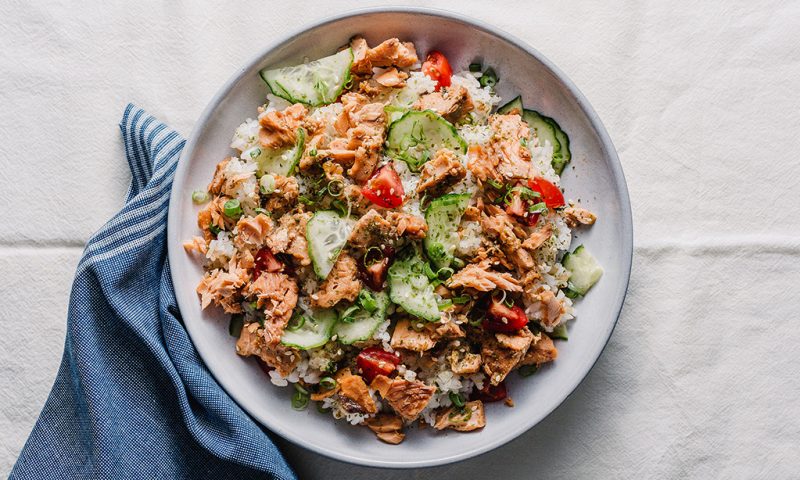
{"x": 560, "y": 332}
{"x": 562, "y": 158}
{"x": 417, "y": 135}
{"x": 315, "y": 83}
{"x": 310, "y": 331}
{"x": 584, "y": 270}
{"x": 543, "y": 130}
{"x": 278, "y": 162}
{"x": 410, "y": 288}
{"x": 364, "y": 323}
{"x": 443, "y": 216}
{"x": 326, "y": 234}
{"x": 514, "y": 106}
{"x": 548, "y": 129}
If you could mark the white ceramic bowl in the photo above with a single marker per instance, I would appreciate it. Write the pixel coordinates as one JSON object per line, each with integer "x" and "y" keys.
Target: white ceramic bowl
{"x": 594, "y": 176}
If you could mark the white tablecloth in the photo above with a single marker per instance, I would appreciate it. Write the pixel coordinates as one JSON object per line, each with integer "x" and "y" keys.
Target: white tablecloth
{"x": 701, "y": 376}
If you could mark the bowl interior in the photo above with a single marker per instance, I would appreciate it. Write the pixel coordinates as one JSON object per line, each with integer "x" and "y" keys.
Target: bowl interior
{"x": 594, "y": 177}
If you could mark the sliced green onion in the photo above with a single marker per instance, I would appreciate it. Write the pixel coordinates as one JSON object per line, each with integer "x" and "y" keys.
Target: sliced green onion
{"x": 254, "y": 153}
{"x": 235, "y": 327}
{"x": 523, "y": 141}
{"x": 300, "y": 389}
{"x": 214, "y": 229}
{"x": 265, "y": 212}
{"x": 540, "y": 207}
{"x": 328, "y": 383}
{"x": 297, "y": 323}
{"x": 254, "y": 305}
{"x": 340, "y": 207}
{"x": 378, "y": 256}
{"x": 528, "y": 370}
{"x": 312, "y": 152}
{"x": 300, "y": 400}
{"x": 428, "y": 271}
{"x": 367, "y": 300}
{"x": 306, "y": 200}
{"x": 457, "y": 399}
{"x": 461, "y": 300}
{"x": 570, "y": 293}
{"x": 494, "y": 183}
{"x": 232, "y": 209}
{"x": 336, "y": 188}
{"x": 267, "y": 184}
{"x": 444, "y": 273}
{"x": 322, "y": 409}
{"x": 458, "y": 263}
{"x": 445, "y": 304}
{"x": 489, "y": 78}
{"x": 347, "y": 315}
{"x": 475, "y": 67}
{"x": 199, "y": 197}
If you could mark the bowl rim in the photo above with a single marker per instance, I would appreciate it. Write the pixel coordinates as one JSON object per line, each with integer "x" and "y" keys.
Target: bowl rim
{"x": 620, "y": 184}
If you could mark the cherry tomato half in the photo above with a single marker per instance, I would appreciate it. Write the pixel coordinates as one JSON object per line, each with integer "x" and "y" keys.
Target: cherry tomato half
{"x": 265, "y": 261}
{"x": 438, "y": 68}
{"x": 502, "y": 318}
{"x": 551, "y": 195}
{"x": 374, "y": 361}
{"x": 384, "y": 189}
{"x": 490, "y": 393}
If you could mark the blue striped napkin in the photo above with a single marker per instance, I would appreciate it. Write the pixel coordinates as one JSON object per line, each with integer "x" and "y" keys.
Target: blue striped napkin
{"x": 132, "y": 398}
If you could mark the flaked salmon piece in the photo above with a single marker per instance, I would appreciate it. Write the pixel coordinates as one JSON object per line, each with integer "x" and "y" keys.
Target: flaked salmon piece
{"x": 289, "y": 237}
{"x": 453, "y": 103}
{"x": 371, "y": 229}
{"x": 408, "y": 225}
{"x": 381, "y": 384}
{"x": 251, "y": 342}
{"x": 215, "y": 187}
{"x": 472, "y": 213}
{"x": 276, "y": 294}
{"x": 478, "y": 276}
{"x": 448, "y": 330}
{"x": 196, "y": 245}
{"x": 538, "y": 237}
{"x": 575, "y": 216}
{"x": 482, "y": 165}
{"x": 342, "y": 283}
{"x": 392, "y": 77}
{"x": 541, "y": 351}
{"x": 550, "y": 309}
{"x": 388, "y": 428}
{"x": 357, "y": 201}
{"x": 341, "y": 155}
{"x": 284, "y": 197}
{"x": 372, "y": 89}
{"x": 252, "y": 230}
{"x": 221, "y": 288}
{"x": 354, "y": 388}
{"x": 333, "y": 171}
{"x": 405, "y": 336}
{"x": 470, "y": 417}
{"x": 496, "y": 223}
{"x": 408, "y": 398}
{"x": 443, "y": 171}
{"x": 509, "y": 132}
{"x": 366, "y": 159}
{"x": 498, "y": 358}
{"x": 279, "y": 128}
{"x": 390, "y": 52}
{"x": 464, "y": 363}
{"x": 211, "y": 214}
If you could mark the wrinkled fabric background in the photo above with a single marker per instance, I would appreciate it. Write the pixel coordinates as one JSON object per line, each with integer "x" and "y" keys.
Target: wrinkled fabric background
{"x": 701, "y": 378}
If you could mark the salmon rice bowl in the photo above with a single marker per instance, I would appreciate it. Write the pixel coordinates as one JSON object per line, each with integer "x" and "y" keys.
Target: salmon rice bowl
{"x": 390, "y": 242}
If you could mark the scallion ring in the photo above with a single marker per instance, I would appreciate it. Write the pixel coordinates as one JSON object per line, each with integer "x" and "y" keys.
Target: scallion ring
{"x": 199, "y": 197}
{"x": 445, "y": 304}
{"x": 296, "y": 324}
{"x": 444, "y": 273}
{"x": 299, "y": 400}
{"x": 461, "y": 300}
{"x": 475, "y": 67}
{"x": 457, "y": 399}
{"x": 267, "y": 184}
{"x": 232, "y": 208}
{"x": 336, "y": 188}
{"x": 370, "y": 260}
{"x": 489, "y": 78}
{"x": 327, "y": 383}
